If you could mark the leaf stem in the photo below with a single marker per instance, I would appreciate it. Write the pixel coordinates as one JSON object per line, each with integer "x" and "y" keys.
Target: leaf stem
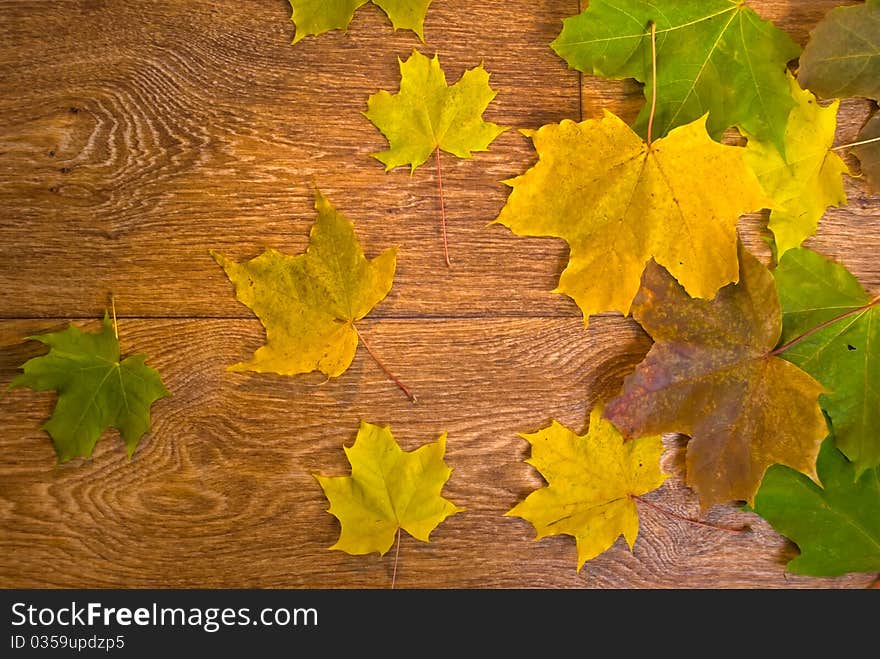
{"x": 653, "y": 81}
{"x": 115, "y": 324}
{"x": 686, "y": 519}
{"x": 396, "y": 557}
{"x": 820, "y": 327}
{"x": 852, "y": 144}
{"x": 384, "y": 368}
{"x": 442, "y": 209}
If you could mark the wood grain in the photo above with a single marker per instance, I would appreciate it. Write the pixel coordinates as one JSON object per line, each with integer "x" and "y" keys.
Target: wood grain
{"x": 221, "y": 492}
{"x": 148, "y": 134}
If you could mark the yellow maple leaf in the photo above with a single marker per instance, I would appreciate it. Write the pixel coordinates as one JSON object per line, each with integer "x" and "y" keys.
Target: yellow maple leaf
{"x": 591, "y": 482}
{"x": 619, "y": 202}
{"x": 389, "y": 489}
{"x": 309, "y": 303}
{"x": 808, "y": 179}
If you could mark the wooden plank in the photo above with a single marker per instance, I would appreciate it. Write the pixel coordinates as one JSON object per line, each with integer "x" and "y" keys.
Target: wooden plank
{"x": 214, "y": 131}
{"x": 200, "y": 122}
{"x": 220, "y": 493}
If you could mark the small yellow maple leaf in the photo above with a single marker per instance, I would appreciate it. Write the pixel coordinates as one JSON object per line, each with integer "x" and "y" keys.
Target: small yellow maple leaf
{"x": 427, "y": 114}
{"x": 619, "y": 202}
{"x": 591, "y": 482}
{"x": 309, "y": 303}
{"x": 389, "y": 489}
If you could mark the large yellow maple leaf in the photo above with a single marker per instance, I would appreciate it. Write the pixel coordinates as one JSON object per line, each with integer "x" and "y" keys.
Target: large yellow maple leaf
{"x": 591, "y": 484}
{"x": 618, "y": 202}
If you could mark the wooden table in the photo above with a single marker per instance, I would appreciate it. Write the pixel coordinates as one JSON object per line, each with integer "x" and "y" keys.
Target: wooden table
{"x": 137, "y": 136}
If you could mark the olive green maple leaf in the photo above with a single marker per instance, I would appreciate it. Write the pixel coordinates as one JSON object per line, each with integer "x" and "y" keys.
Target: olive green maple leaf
{"x": 97, "y": 389}
{"x": 836, "y": 525}
{"x": 867, "y": 150}
{"x": 309, "y": 303}
{"x": 592, "y": 483}
{"x": 808, "y": 178}
{"x": 389, "y": 489}
{"x": 834, "y": 329}
{"x": 313, "y": 17}
{"x": 715, "y": 56}
{"x": 428, "y": 115}
{"x": 842, "y": 57}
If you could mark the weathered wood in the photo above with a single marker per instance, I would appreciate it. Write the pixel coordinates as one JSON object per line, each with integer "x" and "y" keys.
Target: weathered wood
{"x": 204, "y": 124}
{"x": 221, "y": 491}
{"x": 148, "y": 134}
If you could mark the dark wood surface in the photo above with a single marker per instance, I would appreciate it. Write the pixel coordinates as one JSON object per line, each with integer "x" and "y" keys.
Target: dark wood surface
{"x": 137, "y": 136}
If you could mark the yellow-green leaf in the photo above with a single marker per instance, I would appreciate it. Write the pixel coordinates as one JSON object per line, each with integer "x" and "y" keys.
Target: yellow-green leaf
{"x": 591, "y": 482}
{"x": 619, "y": 202}
{"x": 313, "y": 17}
{"x": 389, "y": 489}
{"x": 808, "y": 178}
{"x": 406, "y": 14}
{"x": 427, "y": 114}
{"x": 309, "y": 303}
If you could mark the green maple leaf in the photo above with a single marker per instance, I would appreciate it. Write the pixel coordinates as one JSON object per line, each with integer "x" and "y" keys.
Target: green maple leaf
{"x": 309, "y": 303}
{"x": 715, "y": 56}
{"x": 842, "y": 57}
{"x": 96, "y": 389}
{"x": 313, "y": 17}
{"x": 835, "y": 526}
{"x": 844, "y": 356}
{"x": 389, "y": 489}
{"x": 805, "y": 180}
{"x": 427, "y": 114}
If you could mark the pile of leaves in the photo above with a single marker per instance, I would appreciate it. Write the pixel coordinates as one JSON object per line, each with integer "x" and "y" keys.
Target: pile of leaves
{"x": 771, "y": 371}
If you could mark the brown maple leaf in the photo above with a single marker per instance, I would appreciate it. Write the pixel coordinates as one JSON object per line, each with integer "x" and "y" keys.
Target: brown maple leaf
{"x": 712, "y": 374}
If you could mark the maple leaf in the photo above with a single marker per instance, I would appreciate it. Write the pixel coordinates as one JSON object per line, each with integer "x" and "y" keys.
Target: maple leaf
{"x": 842, "y": 57}
{"x": 715, "y": 56}
{"x": 619, "y": 202}
{"x": 96, "y": 389}
{"x": 389, "y": 489}
{"x": 592, "y": 480}
{"x": 867, "y": 150}
{"x": 427, "y": 115}
{"x": 808, "y": 178}
{"x": 309, "y": 303}
{"x": 833, "y": 328}
{"x": 313, "y": 17}
{"x": 836, "y": 526}
{"x": 710, "y": 374}
{"x": 406, "y": 14}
